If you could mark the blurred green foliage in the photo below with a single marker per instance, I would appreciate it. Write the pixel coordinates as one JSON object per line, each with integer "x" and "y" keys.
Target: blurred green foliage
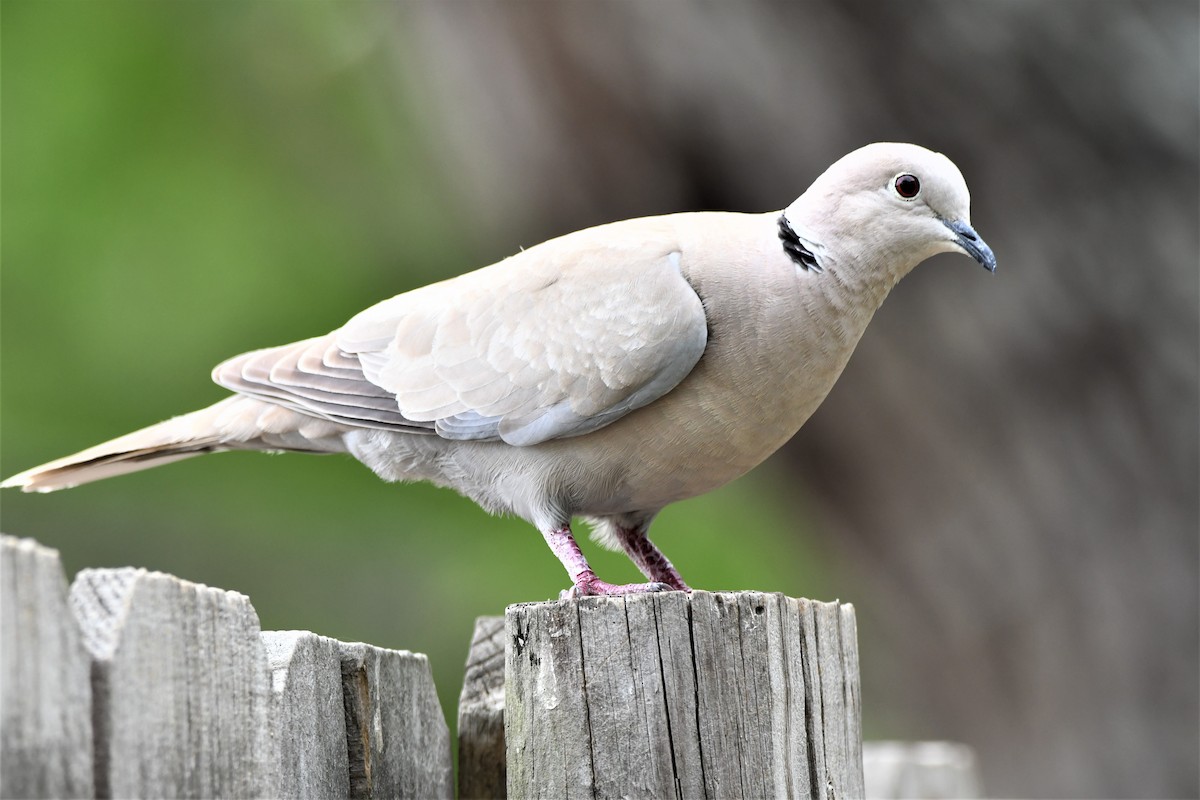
{"x": 186, "y": 181}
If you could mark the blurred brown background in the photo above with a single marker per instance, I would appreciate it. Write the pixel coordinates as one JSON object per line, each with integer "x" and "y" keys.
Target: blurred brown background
{"x": 1005, "y": 481}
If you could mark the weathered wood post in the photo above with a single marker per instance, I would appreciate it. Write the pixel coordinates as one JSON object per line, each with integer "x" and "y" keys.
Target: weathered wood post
{"x": 481, "y": 714}
{"x": 929, "y": 770}
{"x": 399, "y": 745}
{"x": 179, "y": 686}
{"x": 45, "y": 692}
{"x": 675, "y": 695}
{"x": 307, "y": 715}
{"x": 353, "y": 720}
{"x": 140, "y": 684}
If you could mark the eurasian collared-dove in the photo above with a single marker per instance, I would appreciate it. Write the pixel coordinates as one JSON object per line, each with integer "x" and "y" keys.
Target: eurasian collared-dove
{"x": 602, "y": 374}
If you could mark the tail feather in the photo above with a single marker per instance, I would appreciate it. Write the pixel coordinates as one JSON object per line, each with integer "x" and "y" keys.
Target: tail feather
{"x": 234, "y": 423}
{"x": 68, "y": 474}
{"x": 158, "y": 444}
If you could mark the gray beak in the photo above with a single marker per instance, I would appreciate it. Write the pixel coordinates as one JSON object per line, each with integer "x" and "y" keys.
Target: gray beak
{"x": 972, "y": 244}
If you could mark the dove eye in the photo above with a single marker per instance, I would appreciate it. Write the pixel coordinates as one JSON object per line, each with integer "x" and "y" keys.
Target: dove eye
{"x": 907, "y": 186}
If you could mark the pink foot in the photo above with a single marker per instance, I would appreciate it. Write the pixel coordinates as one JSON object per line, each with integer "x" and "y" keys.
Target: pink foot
{"x": 587, "y": 584}
{"x": 649, "y": 559}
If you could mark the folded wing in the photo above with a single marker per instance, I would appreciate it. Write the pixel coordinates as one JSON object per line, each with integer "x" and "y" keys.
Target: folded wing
{"x": 556, "y": 341}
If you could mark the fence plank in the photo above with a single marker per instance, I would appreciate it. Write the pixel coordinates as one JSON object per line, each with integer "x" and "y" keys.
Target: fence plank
{"x": 721, "y": 695}
{"x": 45, "y": 689}
{"x": 481, "y": 774}
{"x": 179, "y": 684}
{"x": 926, "y": 770}
{"x": 308, "y": 720}
{"x": 398, "y": 741}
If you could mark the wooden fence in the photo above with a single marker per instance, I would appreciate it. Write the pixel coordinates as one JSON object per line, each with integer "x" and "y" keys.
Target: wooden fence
{"x": 138, "y": 684}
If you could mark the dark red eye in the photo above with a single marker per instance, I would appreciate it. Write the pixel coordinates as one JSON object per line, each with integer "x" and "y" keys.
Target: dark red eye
{"x": 907, "y": 186}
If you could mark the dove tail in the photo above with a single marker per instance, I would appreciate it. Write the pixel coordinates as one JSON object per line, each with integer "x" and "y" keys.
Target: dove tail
{"x": 66, "y": 473}
{"x": 236, "y": 423}
{"x": 130, "y": 453}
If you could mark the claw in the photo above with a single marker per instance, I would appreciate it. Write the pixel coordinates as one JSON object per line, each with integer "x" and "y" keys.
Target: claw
{"x": 588, "y": 585}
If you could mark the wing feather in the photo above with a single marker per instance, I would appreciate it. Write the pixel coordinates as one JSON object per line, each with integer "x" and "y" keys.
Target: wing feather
{"x": 556, "y": 341}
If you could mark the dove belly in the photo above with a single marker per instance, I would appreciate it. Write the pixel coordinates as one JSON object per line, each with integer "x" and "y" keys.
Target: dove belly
{"x": 729, "y": 415}
{"x": 698, "y": 439}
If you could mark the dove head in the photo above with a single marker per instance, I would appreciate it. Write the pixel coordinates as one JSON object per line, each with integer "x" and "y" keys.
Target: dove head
{"x": 884, "y": 208}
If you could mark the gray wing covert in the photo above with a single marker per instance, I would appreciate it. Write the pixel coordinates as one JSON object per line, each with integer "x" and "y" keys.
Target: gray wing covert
{"x": 557, "y": 341}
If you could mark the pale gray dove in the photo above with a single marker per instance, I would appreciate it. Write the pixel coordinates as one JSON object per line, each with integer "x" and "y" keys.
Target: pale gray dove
{"x": 602, "y": 374}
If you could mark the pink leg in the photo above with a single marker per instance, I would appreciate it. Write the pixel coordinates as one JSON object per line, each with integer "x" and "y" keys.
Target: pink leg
{"x": 586, "y": 583}
{"x": 649, "y": 559}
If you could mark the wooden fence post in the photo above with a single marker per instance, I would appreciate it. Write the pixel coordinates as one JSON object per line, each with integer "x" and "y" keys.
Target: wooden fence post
{"x": 307, "y": 716}
{"x": 481, "y": 714}
{"x": 139, "y": 684}
{"x": 45, "y": 689}
{"x": 353, "y": 720}
{"x": 929, "y": 770}
{"x": 179, "y": 686}
{"x": 720, "y": 695}
{"x": 399, "y": 745}
{"x": 155, "y": 686}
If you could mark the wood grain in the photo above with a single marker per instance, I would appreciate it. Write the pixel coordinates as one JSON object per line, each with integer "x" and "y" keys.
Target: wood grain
{"x": 709, "y": 694}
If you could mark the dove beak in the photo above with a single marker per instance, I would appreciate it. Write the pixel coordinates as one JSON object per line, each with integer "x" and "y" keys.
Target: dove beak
{"x": 972, "y": 244}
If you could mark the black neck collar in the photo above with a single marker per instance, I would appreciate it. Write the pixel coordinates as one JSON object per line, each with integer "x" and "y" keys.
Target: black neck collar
{"x": 795, "y": 249}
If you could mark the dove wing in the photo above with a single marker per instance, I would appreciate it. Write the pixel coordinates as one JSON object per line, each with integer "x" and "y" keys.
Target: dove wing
{"x": 556, "y": 341}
